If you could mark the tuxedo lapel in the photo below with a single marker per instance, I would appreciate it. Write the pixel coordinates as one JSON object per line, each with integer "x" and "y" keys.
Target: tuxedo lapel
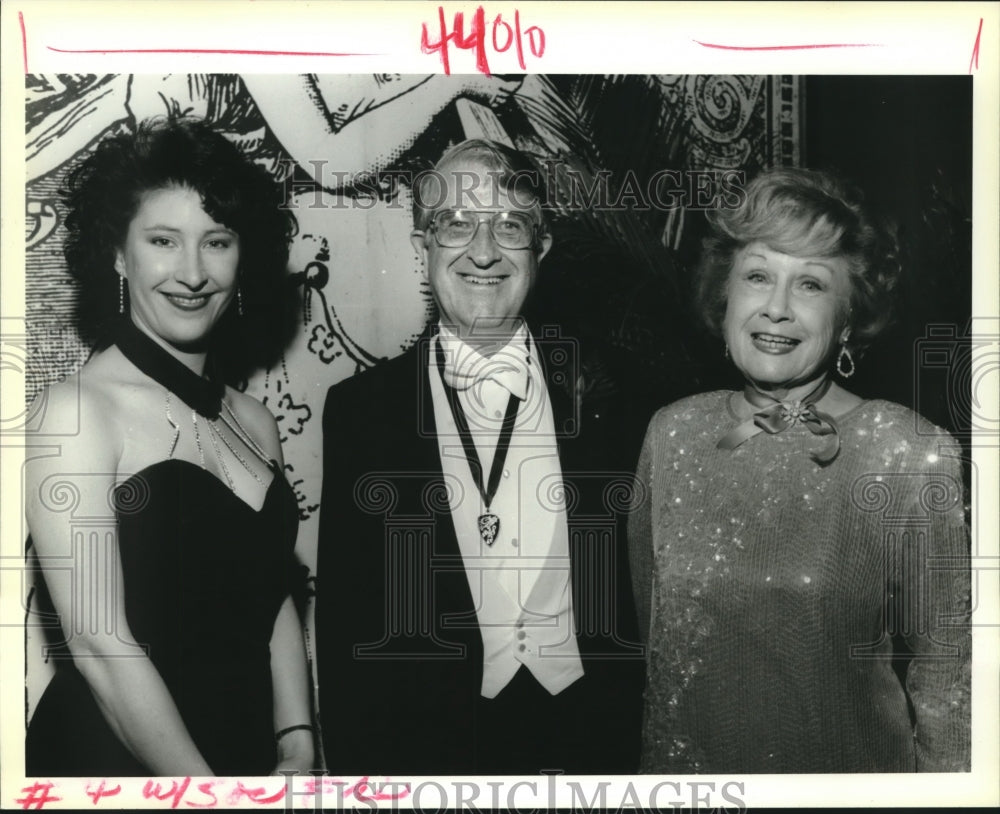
{"x": 561, "y": 369}
{"x": 453, "y": 598}
{"x": 420, "y": 401}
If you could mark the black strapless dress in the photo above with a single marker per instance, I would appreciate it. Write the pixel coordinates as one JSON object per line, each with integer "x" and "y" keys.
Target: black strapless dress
{"x": 204, "y": 578}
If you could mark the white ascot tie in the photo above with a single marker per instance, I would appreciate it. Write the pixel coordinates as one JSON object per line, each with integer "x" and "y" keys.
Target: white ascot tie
{"x": 508, "y": 367}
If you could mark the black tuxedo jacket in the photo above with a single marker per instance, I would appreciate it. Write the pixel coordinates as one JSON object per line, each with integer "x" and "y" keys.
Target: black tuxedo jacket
{"x": 398, "y": 649}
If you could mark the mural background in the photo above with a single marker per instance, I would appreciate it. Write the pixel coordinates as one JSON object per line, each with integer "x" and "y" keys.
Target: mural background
{"x": 617, "y": 279}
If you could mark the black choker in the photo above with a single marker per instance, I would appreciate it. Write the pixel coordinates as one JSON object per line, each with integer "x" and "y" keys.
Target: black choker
{"x": 200, "y": 394}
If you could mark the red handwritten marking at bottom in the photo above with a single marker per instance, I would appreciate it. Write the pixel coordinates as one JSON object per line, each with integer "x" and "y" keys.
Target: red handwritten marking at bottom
{"x": 254, "y": 795}
{"x": 24, "y": 40}
{"x": 975, "y": 48}
{"x": 100, "y": 792}
{"x": 37, "y": 796}
{"x": 206, "y": 789}
{"x": 805, "y": 47}
{"x": 378, "y": 794}
{"x": 363, "y": 790}
{"x": 153, "y": 789}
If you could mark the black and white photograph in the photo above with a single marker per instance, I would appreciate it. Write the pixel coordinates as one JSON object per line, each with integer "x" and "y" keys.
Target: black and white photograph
{"x": 599, "y": 429}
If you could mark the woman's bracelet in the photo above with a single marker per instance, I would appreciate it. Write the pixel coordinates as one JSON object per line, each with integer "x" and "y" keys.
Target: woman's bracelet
{"x": 288, "y": 729}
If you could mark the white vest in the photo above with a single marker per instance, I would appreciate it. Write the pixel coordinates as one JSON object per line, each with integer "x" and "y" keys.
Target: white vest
{"x": 521, "y": 583}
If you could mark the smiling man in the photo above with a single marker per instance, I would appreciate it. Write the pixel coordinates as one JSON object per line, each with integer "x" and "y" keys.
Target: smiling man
{"x": 471, "y": 617}
{"x": 482, "y": 244}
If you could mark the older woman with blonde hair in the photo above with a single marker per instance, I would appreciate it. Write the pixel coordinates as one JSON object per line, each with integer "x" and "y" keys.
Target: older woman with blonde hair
{"x": 788, "y": 536}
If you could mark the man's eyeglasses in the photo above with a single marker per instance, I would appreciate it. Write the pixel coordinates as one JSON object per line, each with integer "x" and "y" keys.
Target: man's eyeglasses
{"x": 455, "y": 228}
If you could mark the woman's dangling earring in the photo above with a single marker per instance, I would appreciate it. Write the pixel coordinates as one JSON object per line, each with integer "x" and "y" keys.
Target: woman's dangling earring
{"x": 121, "y": 293}
{"x": 239, "y": 300}
{"x": 725, "y": 354}
{"x": 845, "y": 354}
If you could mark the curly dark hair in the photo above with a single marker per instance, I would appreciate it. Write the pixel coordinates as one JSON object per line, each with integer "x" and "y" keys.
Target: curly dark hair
{"x": 103, "y": 195}
{"x": 805, "y": 213}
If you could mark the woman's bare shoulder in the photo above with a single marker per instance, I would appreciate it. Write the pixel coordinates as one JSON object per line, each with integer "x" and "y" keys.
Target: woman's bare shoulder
{"x": 91, "y": 407}
{"x": 75, "y": 442}
{"x": 65, "y": 407}
{"x": 257, "y": 420}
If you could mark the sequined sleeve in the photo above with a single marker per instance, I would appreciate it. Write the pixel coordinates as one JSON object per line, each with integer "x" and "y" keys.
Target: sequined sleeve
{"x": 640, "y": 533}
{"x": 933, "y": 577}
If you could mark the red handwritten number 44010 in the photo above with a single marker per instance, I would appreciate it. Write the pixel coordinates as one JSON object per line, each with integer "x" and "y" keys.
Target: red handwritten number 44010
{"x": 501, "y": 39}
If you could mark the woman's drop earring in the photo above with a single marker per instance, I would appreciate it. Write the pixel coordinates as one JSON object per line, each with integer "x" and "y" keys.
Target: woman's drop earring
{"x": 845, "y": 354}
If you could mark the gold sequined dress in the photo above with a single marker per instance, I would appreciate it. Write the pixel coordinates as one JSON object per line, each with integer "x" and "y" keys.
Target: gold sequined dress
{"x": 772, "y": 588}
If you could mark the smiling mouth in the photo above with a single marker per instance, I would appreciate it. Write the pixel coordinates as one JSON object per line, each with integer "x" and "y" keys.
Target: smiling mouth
{"x": 188, "y": 302}
{"x": 773, "y": 343}
{"x": 475, "y": 279}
